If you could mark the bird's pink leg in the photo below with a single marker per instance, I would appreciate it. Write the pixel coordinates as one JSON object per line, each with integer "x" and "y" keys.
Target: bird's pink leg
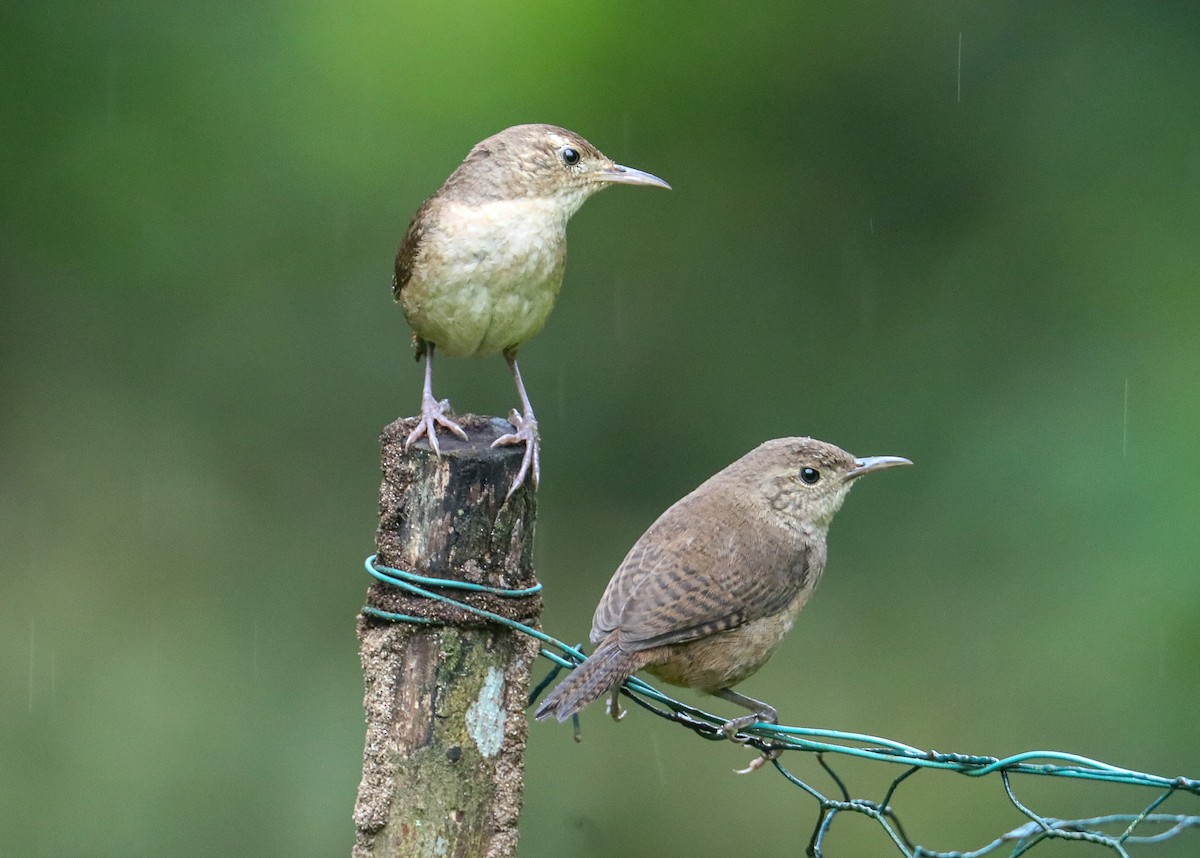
{"x": 433, "y": 412}
{"x": 527, "y": 432}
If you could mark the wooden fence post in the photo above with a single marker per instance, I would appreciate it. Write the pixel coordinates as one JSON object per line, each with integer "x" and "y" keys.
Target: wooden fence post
{"x": 443, "y": 762}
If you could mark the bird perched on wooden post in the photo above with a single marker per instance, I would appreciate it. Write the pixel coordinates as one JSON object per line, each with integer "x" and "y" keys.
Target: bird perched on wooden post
{"x": 707, "y": 593}
{"x": 482, "y": 261}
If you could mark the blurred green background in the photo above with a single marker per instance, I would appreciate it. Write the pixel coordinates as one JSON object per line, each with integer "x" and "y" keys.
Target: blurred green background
{"x": 990, "y": 269}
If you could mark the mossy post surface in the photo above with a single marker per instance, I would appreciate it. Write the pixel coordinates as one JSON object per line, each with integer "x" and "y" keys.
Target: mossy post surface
{"x": 443, "y": 763}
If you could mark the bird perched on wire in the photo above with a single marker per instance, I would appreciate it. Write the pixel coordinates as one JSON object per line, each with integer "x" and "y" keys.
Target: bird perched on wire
{"x": 707, "y": 593}
{"x": 482, "y": 261}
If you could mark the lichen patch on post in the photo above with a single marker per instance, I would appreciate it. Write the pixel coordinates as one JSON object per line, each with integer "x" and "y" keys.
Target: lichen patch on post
{"x": 486, "y": 717}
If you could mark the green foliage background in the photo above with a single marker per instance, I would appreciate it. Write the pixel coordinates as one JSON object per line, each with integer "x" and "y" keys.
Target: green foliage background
{"x": 198, "y": 348}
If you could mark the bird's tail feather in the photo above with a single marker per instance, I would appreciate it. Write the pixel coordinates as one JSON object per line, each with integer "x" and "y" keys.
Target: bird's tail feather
{"x": 604, "y": 669}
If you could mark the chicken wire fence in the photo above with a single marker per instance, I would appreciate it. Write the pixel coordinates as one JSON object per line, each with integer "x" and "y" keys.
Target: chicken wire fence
{"x": 1118, "y": 832}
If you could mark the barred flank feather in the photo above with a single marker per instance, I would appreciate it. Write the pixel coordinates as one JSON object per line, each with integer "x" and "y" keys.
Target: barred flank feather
{"x": 604, "y": 669}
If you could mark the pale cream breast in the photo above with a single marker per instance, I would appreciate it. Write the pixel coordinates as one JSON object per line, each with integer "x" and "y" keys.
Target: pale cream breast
{"x": 494, "y": 284}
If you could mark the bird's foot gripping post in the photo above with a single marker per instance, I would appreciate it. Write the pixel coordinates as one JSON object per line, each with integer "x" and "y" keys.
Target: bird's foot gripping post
{"x": 433, "y": 410}
{"x": 443, "y": 763}
{"x": 527, "y": 431}
{"x": 527, "y": 434}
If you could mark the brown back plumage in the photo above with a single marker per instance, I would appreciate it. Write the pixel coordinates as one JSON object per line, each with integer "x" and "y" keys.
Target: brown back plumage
{"x": 712, "y": 562}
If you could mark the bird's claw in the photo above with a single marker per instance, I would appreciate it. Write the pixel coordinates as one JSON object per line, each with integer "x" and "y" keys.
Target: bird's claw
{"x": 612, "y": 708}
{"x": 433, "y": 414}
{"x": 732, "y": 727}
{"x": 732, "y": 730}
{"x": 527, "y": 434}
{"x": 757, "y": 763}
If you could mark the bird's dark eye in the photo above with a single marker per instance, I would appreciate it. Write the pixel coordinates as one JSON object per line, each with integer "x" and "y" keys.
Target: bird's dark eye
{"x": 810, "y": 475}
{"x": 570, "y": 156}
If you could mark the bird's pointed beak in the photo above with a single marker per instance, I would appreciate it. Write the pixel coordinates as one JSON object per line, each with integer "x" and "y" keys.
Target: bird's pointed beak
{"x": 870, "y": 464}
{"x": 619, "y": 175}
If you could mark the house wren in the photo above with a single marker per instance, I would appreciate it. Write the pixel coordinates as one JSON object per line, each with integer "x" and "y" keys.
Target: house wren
{"x": 707, "y": 593}
{"x": 482, "y": 261}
